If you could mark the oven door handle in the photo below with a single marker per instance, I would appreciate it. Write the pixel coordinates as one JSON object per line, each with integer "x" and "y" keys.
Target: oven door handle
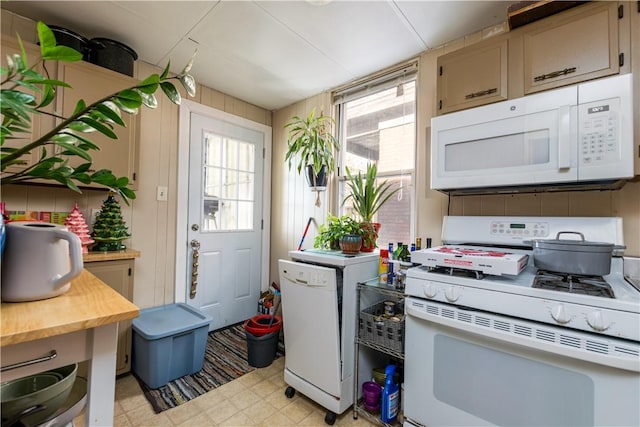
{"x": 524, "y": 341}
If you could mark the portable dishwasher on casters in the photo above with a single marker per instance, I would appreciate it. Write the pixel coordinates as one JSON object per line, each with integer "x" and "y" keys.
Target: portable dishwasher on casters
{"x": 318, "y": 311}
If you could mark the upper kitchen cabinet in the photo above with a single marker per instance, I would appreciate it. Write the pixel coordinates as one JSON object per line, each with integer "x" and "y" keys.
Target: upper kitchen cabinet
{"x": 473, "y": 76}
{"x": 91, "y": 83}
{"x": 573, "y": 46}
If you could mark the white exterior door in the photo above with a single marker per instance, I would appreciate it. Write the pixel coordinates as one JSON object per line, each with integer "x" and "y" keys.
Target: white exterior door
{"x": 224, "y": 218}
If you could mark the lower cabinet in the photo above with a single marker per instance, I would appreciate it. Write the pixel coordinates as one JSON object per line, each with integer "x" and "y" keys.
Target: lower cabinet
{"x": 118, "y": 274}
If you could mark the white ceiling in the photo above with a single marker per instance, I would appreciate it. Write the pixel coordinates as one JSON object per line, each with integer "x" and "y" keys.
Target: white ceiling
{"x": 272, "y": 53}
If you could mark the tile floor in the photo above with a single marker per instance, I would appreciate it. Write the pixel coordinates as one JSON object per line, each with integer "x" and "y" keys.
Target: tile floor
{"x": 255, "y": 399}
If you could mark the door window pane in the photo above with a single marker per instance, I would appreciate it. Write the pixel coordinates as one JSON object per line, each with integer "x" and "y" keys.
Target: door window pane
{"x": 229, "y": 177}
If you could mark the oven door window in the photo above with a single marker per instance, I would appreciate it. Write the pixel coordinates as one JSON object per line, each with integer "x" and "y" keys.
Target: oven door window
{"x": 509, "y": 390}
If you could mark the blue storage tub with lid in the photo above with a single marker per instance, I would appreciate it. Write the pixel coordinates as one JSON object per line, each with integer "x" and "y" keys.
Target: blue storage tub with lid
{"x": 169, "y": 342}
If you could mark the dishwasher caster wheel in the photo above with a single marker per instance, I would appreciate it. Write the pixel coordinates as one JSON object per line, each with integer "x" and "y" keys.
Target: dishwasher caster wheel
{"x": 290, "y": 392}
{"x": 330, "y": 418}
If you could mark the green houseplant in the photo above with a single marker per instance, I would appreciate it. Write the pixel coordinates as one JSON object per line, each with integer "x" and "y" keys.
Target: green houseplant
{"x": 311, "y": 143}
{"x": 336, "y": 229}
{"x": 367, "y": 197}
{"x": 69, "y": 138}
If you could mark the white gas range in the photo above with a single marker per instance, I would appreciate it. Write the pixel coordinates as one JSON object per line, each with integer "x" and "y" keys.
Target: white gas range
{"x": 480, "y": 310}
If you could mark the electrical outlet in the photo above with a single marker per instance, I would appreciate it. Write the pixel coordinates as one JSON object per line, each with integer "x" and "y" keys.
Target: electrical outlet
{"x": 162, "y": 193}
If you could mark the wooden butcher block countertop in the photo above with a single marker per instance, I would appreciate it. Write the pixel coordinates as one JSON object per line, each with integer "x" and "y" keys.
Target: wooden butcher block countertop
{"x": 110, "y": 256}
{"x": 88, "y": 304}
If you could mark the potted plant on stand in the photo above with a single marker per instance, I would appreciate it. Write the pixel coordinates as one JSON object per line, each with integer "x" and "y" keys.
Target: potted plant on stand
{"x": 344, "y": 233}
{"x": 367, "y": 197}
{"x": 310, "y": 140}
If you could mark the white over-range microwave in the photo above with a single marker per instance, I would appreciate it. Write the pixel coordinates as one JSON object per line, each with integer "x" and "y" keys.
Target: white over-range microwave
{"x": 578, "y": 135}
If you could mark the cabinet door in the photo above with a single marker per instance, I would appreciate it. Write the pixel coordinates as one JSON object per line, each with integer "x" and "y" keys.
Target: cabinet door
{"x": 573, "y": 46}
{"x": 472, "y": 76}
{"x": 91, "y": 83}
{"x": 119, "y": 276}
{"x": 9, "y": 48}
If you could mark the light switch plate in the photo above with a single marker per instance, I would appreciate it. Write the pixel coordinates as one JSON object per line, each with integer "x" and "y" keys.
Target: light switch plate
{"x": 162, "y": 193}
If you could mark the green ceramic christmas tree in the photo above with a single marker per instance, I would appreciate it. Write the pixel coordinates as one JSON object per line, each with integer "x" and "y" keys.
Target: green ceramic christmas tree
{"x": 109, "y": 230}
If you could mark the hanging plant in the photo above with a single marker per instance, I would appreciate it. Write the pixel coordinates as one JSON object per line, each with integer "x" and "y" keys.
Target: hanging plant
{"x": 310, "y": 140}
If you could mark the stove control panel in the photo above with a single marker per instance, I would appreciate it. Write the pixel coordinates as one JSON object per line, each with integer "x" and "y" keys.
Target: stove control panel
{"x": 525, "y": 229}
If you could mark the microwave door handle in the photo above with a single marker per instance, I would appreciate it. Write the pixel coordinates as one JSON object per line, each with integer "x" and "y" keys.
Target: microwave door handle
{"x": 564, "y": 137}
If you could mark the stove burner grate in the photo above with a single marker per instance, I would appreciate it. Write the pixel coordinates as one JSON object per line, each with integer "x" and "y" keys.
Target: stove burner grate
{"x": 457, "y": 272}
{"x": 573, "y": 283}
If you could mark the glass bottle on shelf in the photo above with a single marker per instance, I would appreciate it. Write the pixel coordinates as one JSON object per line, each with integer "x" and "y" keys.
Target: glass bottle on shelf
{"x": 390, "y": 273}
{"x": 404, "y": 254}
{"x": 397, "y": 251}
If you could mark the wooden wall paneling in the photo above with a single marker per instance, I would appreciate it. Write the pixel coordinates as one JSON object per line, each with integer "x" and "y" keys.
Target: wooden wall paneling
{"x": 527, "y": 204}
{"x": 494, "y": 205}
{"x": 294, "y": 203}
{"x": 15, "y": 197}
{"x": 170, "y": 121}
{"x": 456, "y": 206}
{"x": 430, "y": 205}
{"x": 590, "y": 203}
{"x": 212, "y": 98}
{"x": 146, "y": 236}
{"x": 235, "y": 106}
{"x": 65, "y": 199}
{"x": 554, "y": 204}
{"x": 472, "y": 205}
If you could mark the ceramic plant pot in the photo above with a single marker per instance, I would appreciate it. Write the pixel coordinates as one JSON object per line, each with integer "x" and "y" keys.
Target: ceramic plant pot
{"x": 371, "y": 244}
{"x": 351, "y": 243}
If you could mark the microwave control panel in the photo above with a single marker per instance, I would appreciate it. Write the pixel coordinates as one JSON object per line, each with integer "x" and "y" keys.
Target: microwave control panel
{"x": 598, "y": 133}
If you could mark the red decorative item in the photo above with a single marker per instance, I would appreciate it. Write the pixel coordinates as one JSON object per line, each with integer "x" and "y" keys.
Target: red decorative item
{"x": 76, "y": 223}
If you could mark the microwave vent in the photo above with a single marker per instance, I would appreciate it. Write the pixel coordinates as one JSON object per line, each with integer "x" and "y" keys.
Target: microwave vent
{"x": 543, "y": 188}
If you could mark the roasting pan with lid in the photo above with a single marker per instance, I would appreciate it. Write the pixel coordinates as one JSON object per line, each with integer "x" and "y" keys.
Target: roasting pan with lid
{"x": 573, "y": 256}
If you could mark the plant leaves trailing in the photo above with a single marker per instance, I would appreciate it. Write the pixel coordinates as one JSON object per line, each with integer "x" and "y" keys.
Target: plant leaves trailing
{"x": 66, "y": 140}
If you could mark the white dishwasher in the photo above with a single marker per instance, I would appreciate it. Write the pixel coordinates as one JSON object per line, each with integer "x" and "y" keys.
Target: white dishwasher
{"x": 319, "y": 315}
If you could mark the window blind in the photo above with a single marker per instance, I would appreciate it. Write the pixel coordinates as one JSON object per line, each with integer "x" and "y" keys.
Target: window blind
{"x": 392, "y": 76}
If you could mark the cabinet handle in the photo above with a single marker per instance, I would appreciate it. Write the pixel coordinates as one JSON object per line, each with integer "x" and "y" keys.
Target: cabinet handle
{"x": 52, "y": 355}
{"x": 555, "y": 74}
{"x": 195, "y": 245}
{"x": 481, "y": 93}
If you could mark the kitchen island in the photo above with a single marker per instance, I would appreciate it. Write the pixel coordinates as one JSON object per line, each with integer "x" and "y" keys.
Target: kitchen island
{"x": 81, "y": 324}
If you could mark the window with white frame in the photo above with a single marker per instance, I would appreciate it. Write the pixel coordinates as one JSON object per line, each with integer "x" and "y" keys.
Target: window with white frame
{"x": 376, "y": 120}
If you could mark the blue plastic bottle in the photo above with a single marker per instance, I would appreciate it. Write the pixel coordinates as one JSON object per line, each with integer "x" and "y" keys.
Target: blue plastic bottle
{"x": 390, "y": 396}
